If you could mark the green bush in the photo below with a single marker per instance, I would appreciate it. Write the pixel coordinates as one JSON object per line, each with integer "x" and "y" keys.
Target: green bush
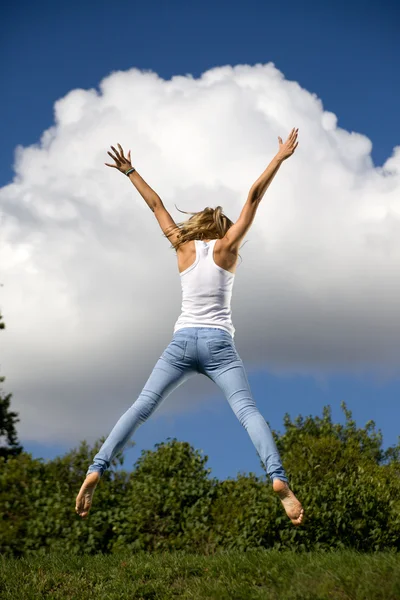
{"x": 167, "y": 503}
{"x": 349, "y": 487}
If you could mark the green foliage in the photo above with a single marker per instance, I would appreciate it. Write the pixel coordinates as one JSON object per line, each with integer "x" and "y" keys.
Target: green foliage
{"x": 245, "y": 514}
{"x": 168, "y": 501}
{"x": 37, "y": 504}
{"x": 349, "y": 486}
{"x": 8, "y": 420}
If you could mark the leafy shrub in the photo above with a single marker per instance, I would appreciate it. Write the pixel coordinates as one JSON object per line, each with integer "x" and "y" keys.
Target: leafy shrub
{"x": 349, "y": 487}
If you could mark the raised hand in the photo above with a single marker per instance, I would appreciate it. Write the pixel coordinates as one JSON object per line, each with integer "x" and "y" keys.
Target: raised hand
{"x": 122, "y": 163}
{"x": 286, "y": 149}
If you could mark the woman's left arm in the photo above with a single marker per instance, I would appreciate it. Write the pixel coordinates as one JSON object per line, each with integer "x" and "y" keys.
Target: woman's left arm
{"x": 153, "y": 200}
{"x": 123, "y": 164}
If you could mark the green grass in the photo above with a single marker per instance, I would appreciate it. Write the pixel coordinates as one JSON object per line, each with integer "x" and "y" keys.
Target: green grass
{"x": 229, "y": 575}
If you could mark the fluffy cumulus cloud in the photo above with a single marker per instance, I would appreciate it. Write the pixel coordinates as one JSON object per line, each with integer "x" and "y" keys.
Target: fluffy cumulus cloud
{"x": 91, "y": 289}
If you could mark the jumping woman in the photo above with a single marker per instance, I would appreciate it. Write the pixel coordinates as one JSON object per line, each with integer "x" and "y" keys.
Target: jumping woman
{"x": 207, "y": 248}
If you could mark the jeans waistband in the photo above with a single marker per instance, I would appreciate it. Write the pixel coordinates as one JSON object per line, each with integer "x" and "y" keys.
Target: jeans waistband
{"x": 196, "y": 331}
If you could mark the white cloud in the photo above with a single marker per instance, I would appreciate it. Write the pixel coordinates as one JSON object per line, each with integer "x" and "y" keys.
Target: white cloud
{"x": 91, "y": 290}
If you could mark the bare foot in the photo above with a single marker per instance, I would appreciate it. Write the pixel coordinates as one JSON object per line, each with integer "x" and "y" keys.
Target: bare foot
{"x": 293, "y": 508}
{"x": 84, "y": 498}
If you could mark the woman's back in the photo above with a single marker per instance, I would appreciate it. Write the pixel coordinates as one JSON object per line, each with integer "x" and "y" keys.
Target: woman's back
{"x": 222, "y": 256}
{"x": 206, "y": 287}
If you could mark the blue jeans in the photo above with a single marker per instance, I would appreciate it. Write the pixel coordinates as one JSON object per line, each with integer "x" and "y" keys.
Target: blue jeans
{"x": 211, "y": 352}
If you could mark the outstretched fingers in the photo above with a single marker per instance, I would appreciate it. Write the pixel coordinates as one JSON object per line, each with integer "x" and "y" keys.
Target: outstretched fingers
{"x": 116, "y": 154}
{"x": 117, "y": 162}
{"x": 292, "y": 140}
{"x": 293, "y": 135}
{"x": 121, "y": 161}
{"x": 121, "y": 151}
{"x": 116, "y": 158}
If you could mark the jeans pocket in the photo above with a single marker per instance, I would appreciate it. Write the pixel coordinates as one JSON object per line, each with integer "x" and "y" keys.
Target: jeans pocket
{"x": 175, "y": 350}
{"x": 222, "y": 350}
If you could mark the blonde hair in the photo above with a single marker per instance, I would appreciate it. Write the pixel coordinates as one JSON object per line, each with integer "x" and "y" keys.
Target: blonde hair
{"x": 207, "y": 224}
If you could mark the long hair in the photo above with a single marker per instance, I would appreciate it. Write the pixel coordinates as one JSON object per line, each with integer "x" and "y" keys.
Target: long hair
{"x": 207, "y": 224}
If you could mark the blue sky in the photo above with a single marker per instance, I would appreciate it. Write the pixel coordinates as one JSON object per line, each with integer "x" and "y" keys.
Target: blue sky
{"x": 346, "y": 53}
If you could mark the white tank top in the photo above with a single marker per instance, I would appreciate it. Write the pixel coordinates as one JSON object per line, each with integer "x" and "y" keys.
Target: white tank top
{"x": 206, "y": 292}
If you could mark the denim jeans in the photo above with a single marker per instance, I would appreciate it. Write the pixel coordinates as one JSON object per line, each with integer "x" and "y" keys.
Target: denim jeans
{"x": 211, "y": 352}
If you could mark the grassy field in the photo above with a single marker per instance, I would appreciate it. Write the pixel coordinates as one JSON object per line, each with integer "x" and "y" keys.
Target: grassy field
{"x": 230, "y": 575}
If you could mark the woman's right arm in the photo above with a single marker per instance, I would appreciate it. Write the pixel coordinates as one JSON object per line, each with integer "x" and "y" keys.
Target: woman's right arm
{"x": 286, "y": 149}
{"x": 235, "y": 234}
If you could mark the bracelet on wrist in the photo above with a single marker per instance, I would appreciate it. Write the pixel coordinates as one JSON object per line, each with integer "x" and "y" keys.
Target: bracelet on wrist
{"x": 127, "y": 173}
